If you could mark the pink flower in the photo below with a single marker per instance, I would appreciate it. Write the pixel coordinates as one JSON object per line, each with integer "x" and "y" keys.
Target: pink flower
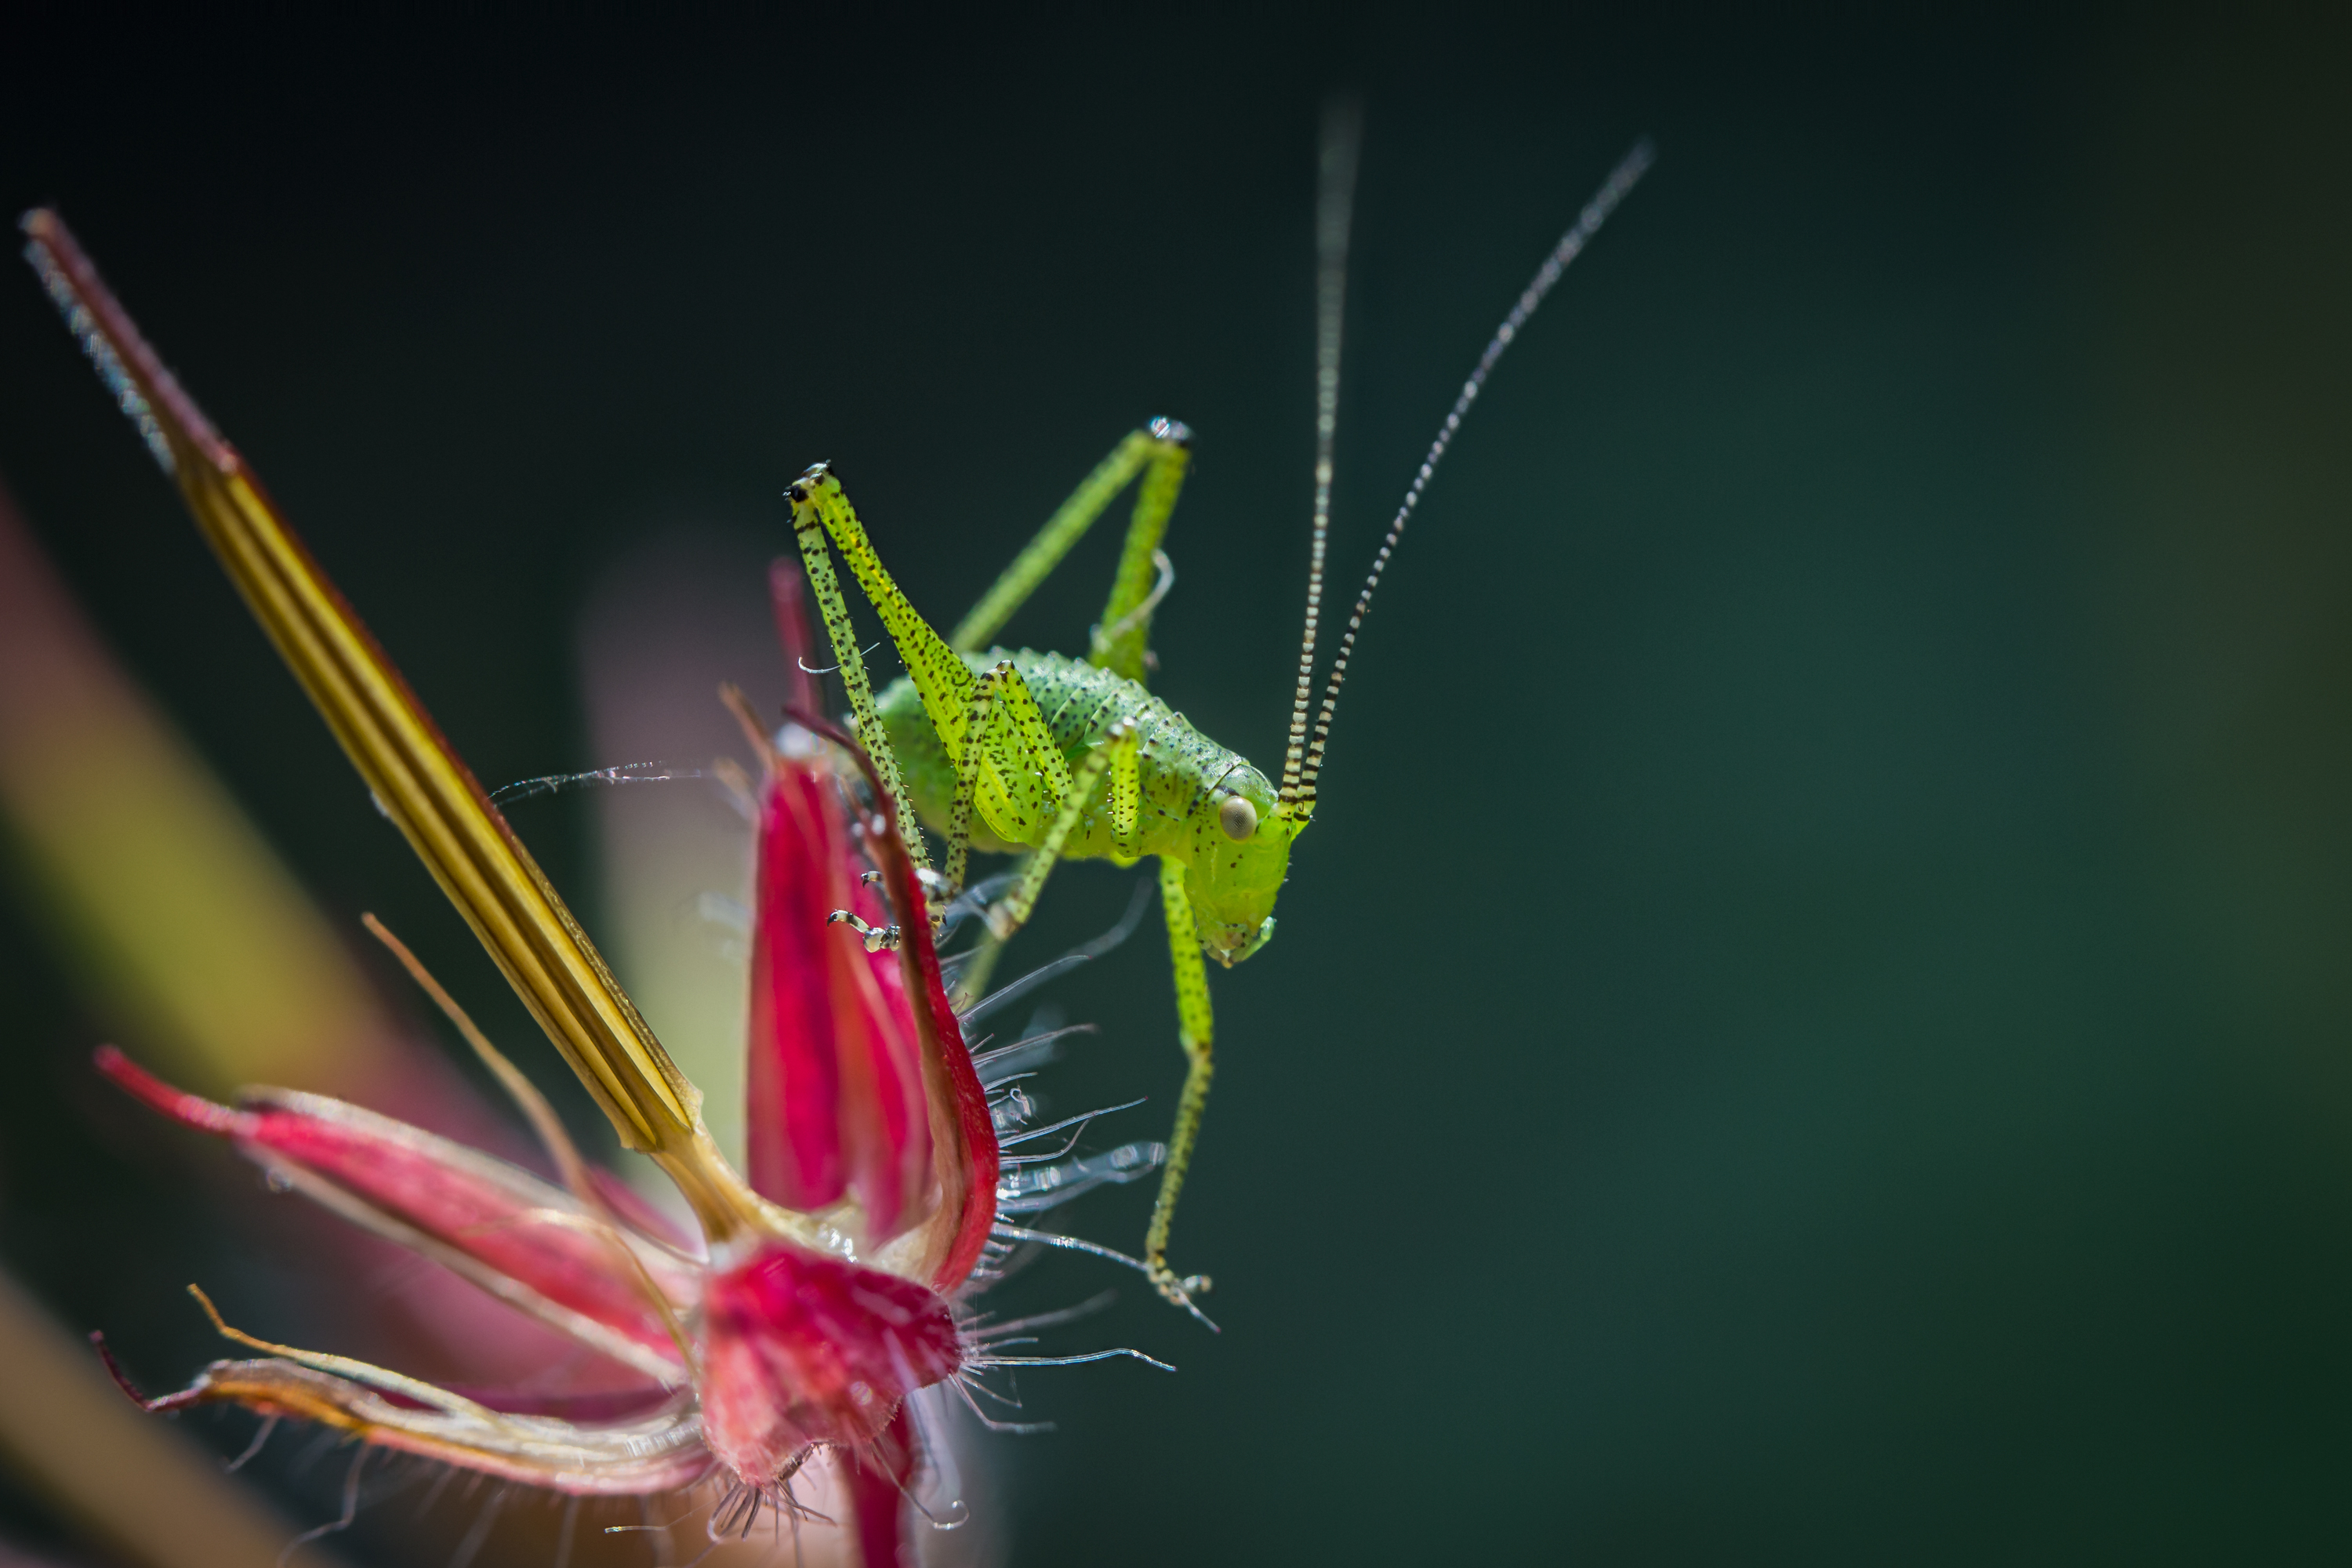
{"x": 825, "y": 1289}
{"x": 805, "y": 1329}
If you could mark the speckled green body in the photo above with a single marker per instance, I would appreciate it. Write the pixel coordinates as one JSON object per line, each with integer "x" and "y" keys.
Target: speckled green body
{"x": 1060, "y": 757}
{"x": 1057, "y": 757}
{"x": 1183, "y": 775}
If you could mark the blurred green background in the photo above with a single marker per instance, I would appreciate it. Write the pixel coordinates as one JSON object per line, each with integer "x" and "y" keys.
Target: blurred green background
{"x": 1815, "y": 1022}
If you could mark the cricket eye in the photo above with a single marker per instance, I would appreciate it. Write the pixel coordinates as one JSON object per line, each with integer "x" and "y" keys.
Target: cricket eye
{"x": 1237, "y": 816}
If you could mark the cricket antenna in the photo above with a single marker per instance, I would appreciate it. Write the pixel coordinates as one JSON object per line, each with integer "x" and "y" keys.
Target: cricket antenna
{"x": 1335, "y": 201}
{"x": 1580, "y": 234}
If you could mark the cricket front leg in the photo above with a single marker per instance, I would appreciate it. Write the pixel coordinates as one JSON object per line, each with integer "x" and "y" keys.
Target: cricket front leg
{"x": 1195, "y": 1028}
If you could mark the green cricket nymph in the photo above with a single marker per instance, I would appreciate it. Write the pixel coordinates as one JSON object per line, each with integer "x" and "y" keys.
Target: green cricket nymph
{"x": 1065, "y": 758}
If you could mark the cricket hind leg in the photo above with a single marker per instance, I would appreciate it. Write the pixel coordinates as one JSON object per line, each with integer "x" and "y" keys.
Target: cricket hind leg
{"x": 945, "y": 683}
{"x": 821, "y": 511}
{"x": 1161, "y": 452}
{"x": 1013, "y": 742}
{"x": 1006, "y": 734}
{"x": 1195, "y": 1031}
{"x": 1121, "y": 642}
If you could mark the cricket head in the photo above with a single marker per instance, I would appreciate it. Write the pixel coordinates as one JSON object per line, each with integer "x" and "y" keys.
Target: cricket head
{"x": 1241, "y": 852}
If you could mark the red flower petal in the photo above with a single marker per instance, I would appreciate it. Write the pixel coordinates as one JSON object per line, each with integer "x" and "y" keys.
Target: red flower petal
{"x": 519, "y": 1237}
{"x": 801, "y": 1347}
{"x": 968, "y": 1161}
{"x": 833, "y": 1082}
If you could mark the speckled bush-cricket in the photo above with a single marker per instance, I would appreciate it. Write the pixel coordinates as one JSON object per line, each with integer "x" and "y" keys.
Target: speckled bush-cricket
{"x": 1060, "y": 757}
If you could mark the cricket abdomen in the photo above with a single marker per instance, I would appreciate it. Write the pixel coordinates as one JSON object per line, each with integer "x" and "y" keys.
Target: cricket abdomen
{"x": 1178, "y": 767}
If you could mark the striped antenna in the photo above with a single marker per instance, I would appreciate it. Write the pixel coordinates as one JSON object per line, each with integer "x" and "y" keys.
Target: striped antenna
{"x": 1571, "y": 244}
{"x": 1334, "y": 203}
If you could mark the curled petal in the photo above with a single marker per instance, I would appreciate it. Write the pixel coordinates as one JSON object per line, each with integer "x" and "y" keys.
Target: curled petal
{"x": 945, "y": 1245}
{"x": 963, "y": 1129}
{"x": 524, "y": 1241}
{"x": 655, "y": 1453}
{"x": 835, "y": 1088}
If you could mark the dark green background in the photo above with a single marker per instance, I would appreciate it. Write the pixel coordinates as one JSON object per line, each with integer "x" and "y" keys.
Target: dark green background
{"x": 1813, "y": 1023}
